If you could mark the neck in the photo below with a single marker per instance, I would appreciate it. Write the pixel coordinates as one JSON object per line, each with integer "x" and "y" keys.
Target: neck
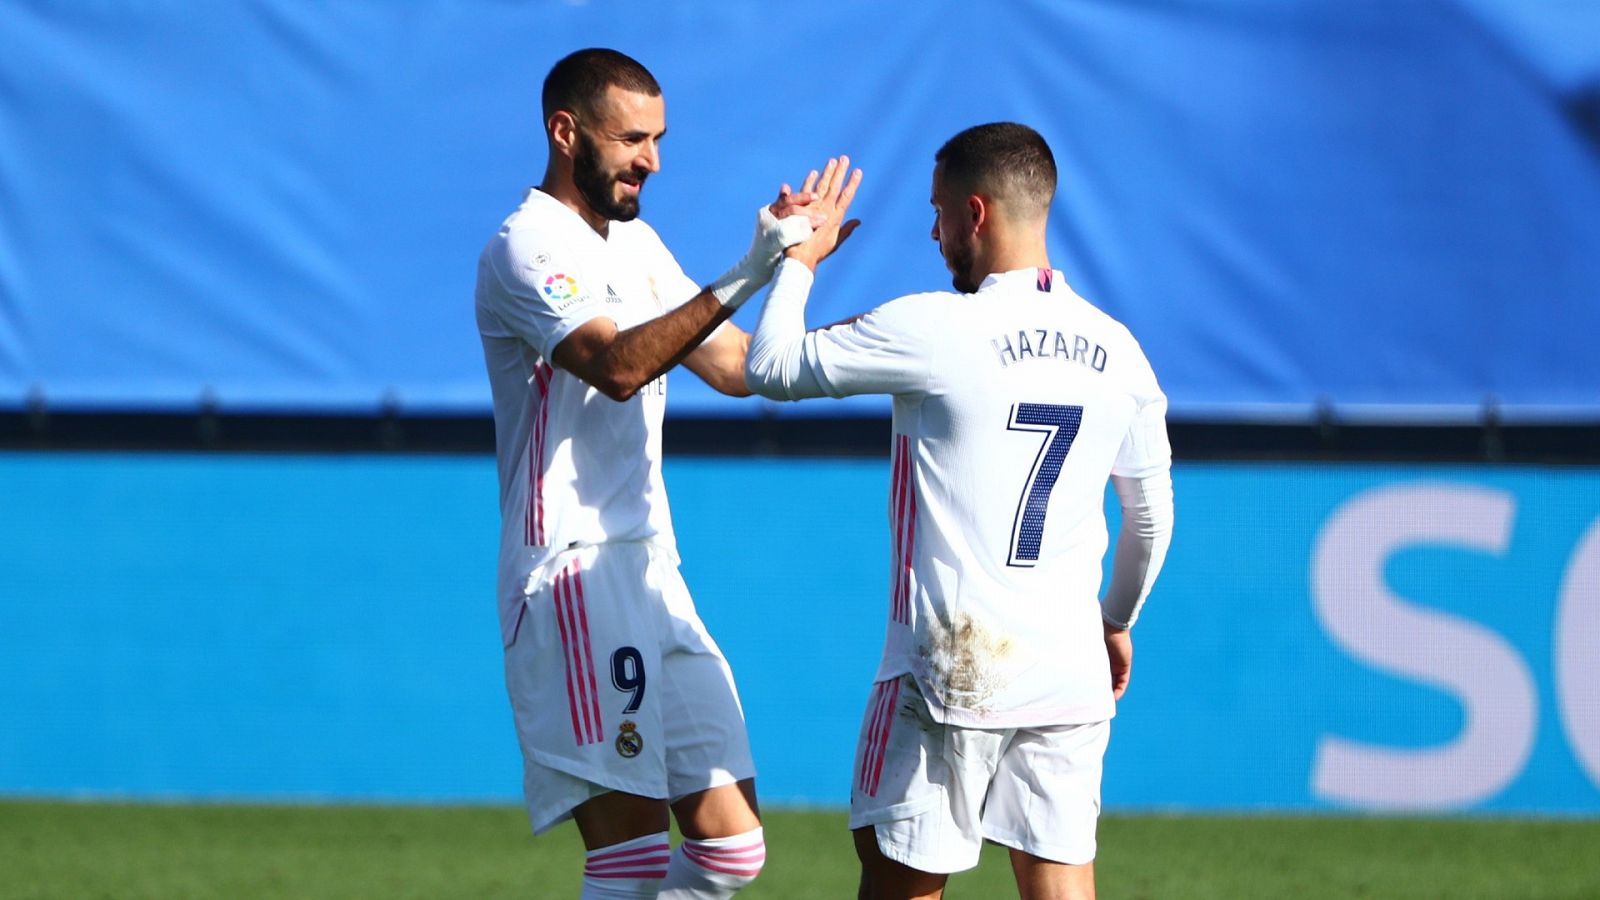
{"x": 558, "y": 184}
{"x": 1013, "y": 251}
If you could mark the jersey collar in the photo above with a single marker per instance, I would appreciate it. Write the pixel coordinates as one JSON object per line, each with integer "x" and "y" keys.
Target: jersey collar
{"x": 1043, "y": 280}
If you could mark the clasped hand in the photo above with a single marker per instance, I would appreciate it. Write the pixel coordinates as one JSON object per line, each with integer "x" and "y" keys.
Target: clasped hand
{"x": 824, "y": 199}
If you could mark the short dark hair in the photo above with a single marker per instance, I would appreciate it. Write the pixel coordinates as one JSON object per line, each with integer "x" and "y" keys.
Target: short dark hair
{"x": 580, "y": 79}
{"x": 1005, "y": 160}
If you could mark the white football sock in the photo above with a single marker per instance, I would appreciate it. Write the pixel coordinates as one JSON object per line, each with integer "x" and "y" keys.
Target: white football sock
{"x": 715, "y": 868}
{"x": 625, "y": 871}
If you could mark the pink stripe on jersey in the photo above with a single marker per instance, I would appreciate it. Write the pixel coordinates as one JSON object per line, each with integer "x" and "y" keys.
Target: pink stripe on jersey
{"x": 542, "y": 374}
{"x": 534, "y": 464}
{"x": 588, "y": 649}
{"x": 528, "y": 525}
{"x": 911, "y": 546}
{"x": 745, "y": 860}
{"x": 905, "y": 532}
{"x": 897, "y": 519}
{"x": 573, "y": 683}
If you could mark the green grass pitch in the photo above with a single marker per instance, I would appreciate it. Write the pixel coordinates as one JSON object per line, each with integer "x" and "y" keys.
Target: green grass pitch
{"x": 84, "y": 850}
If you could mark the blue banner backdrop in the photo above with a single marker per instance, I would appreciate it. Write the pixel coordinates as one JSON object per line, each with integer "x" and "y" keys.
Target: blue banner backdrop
{"x": 1324, "y": 638}
{"x": 1391, "y": 208}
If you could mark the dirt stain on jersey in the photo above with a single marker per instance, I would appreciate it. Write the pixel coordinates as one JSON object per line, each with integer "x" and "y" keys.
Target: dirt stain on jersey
{"x": 963, "y": 661}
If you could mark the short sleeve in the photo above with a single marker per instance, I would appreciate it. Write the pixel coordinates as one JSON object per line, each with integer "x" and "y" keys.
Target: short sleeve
{"x": 1145, "y": 448}
{"x": 539, "y": 291}
{"x": 886, "y": 351}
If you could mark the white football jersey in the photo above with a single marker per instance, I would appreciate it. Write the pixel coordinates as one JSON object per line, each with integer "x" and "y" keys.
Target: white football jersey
{"x": 576, "y": 468}
{"x": 1012, "y": 407}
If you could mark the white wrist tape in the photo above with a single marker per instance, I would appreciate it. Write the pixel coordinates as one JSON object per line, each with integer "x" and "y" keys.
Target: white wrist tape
{"x": 750, "y": 274}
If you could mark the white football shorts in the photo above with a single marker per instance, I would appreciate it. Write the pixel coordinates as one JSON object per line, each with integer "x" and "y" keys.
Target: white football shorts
{"x": 616, "y": 686}
{"x": 933, "y": 793}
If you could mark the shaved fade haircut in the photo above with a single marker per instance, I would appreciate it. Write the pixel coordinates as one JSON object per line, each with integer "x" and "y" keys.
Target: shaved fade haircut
{"x": 1003, "y": 160}
{"x": 579, "y": 81}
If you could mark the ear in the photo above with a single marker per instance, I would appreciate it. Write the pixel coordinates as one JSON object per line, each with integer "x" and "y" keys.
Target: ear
{"x": 563, "y": 131}
{"x": 977, "y": 211}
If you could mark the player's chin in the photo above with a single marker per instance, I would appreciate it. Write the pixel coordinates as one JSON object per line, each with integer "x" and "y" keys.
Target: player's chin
{"x": 626, "y": 210}
{"x": 963, "y": 285}
{"x": 625, "y": 202}
{"x": 957, "y": 280}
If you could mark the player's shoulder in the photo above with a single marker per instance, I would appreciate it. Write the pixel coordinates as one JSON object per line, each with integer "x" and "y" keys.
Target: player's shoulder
{"x": 1127, "y": 357}
{"x": 542, "y": 214}
{"x": 923, "y": 304}
{"x": 1103, "y": 322}
{"x": 536, "y": 234}
{"x": 922, "y": 313}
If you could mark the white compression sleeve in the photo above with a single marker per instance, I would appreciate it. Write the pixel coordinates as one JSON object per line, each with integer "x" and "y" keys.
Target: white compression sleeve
{"x": 776, "y": 367}
{"x": 773, "y": 236}
{"x": 1147, "y": 517}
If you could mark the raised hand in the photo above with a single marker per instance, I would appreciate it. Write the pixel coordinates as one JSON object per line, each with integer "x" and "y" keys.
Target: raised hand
{"x": 832, "y": 193}
{"x": 803, "y": 203}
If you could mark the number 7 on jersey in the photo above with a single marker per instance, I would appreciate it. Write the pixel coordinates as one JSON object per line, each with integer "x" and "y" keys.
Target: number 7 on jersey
{"x": 1060, "y": 425}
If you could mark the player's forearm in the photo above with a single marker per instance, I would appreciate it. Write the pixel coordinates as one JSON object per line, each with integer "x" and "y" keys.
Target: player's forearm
{"x": 1147, "y": 515}
{"x": 645, "y": 352}
{"x": 775, "y": 366}
{"x": 719, "y": 361}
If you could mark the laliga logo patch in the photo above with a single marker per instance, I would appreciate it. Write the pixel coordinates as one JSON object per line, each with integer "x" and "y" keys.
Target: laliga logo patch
{"x": 560, "y": 287}
{"x": 629, "y": 741}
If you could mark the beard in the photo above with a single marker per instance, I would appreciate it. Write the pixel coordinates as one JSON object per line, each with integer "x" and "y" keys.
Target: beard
{"x": 598, "y": 186}
{"x": 961, "y": 260}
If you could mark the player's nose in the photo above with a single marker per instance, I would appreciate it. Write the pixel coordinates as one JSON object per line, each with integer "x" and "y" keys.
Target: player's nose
{"x": 650, "y": 157}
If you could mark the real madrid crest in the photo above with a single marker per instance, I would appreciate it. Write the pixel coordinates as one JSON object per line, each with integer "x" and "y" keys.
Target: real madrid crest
{"x": 629, "y": 741}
